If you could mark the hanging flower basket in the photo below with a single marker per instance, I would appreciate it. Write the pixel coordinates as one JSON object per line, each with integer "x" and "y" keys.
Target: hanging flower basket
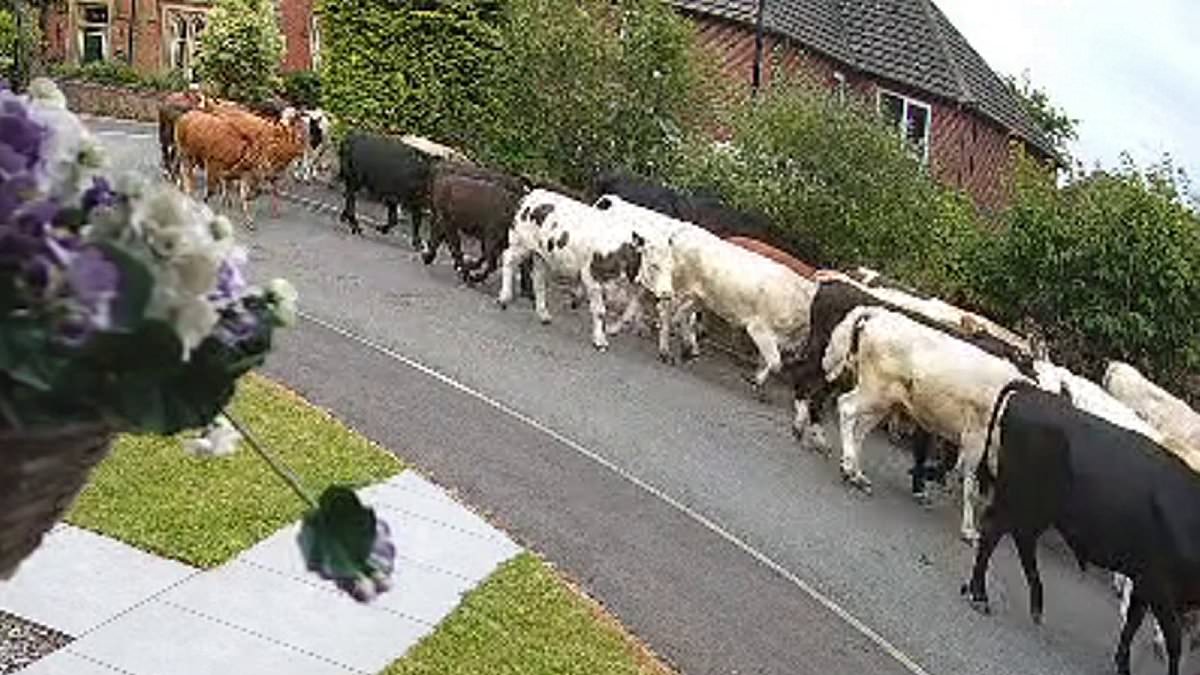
{"x": 123, "y": 308}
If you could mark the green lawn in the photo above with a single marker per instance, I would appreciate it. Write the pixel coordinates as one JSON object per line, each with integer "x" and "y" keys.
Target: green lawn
{"x": 154, "y": 496}
{"x": 525, "y": 620}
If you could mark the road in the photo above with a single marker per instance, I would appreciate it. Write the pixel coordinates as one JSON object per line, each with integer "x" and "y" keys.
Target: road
{"x": 668, "y": 493}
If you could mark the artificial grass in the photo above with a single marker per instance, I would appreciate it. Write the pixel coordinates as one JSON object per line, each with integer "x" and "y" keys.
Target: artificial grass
{"x": 525, "y": 620}
{"x": 152, "y": 495}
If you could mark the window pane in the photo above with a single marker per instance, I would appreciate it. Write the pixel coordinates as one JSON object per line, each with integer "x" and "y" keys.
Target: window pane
{"x": 892, "y": 108}
{"x": 918, "y": 125}
{"x": 93, "y": 46}
{"x": 95, "y": 14}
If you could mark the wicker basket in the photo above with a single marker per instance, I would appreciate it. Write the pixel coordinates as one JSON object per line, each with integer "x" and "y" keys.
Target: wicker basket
{"x": 41, "y": 474}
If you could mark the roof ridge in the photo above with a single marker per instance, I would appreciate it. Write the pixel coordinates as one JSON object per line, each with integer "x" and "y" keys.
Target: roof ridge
{"x": 967, "y": 95}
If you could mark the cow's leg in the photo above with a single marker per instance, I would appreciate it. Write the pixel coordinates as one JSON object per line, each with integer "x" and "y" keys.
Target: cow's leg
{"x": 415, "y": 215}
{"x": 976, "y": 589}
{"x": 632, "y": 311}
{"x": 972, "y": 453}
{"x": 664, "y": 330}
{"x": 767, "y": 343}
{"x": 1169, "y": 622}
{"x": 349, "y": 211}
{"x": 1134, "y": 615}
{"x": 856, "y": 419}
{"x": 393, "y": 216}
{"x": 527, "y": 279}
{"x": 244, "y": 195}
{"x": 539, "y": 289}
{"x": 595, "y": 293}
{"x": 688, "y": 317}
{"x": 922, "y": 442}
{"x": 1027, "y": 551}
{"x": 487, "y": 260}
{"x": 512, "y": 256}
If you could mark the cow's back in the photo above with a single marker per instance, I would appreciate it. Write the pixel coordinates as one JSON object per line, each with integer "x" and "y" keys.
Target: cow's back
{"x": 384, "y": 166}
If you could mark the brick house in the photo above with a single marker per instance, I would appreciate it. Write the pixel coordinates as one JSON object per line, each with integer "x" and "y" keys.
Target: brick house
{"x": 905, "y": 55}
{"x": 162, "y": 34}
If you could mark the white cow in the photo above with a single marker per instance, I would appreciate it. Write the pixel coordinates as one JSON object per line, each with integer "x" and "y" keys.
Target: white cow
{"x": 1179, "y": 424}
{"x": 318, "y": 146}
{"x": 695, "y": 268}
{"x": 575, "y": 241}
{"x": 944, "y": 384}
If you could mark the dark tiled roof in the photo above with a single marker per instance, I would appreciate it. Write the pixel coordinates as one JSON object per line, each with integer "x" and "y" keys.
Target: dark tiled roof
{"x": 907, "y": 41}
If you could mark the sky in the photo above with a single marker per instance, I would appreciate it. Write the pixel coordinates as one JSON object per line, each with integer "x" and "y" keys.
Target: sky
{"x": 1128, "y": 70}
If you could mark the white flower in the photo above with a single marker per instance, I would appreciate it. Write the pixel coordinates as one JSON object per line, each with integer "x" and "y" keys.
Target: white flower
{"x": 282, "y": 296}
{"x": 221, "y": 228}
{"x": 45, "y": 91}
{"x": 193, "y": 321}
{"x": 220, "y": 439}
{"x": 195, "y": 273}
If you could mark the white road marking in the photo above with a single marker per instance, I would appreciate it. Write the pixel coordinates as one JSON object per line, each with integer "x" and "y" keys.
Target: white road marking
{"x": 124, "y": 134}
{"x": 842, "y": 613}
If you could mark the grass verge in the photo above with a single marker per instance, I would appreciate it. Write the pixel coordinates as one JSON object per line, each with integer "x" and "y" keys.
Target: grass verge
{"x": 152, "y": 495}
{"x": 526, "y": 620}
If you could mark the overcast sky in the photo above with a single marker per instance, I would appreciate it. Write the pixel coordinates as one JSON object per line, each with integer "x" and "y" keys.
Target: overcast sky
{"x": 1130, "y": 71}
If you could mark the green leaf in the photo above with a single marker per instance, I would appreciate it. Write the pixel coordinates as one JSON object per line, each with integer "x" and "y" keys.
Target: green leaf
{"x": 137, "y": 283}
{"x": 336, "y": 538}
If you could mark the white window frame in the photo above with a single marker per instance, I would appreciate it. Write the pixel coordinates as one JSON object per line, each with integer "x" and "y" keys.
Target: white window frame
{"x": 83, "y": 27}
{"x": 908, "y": 102}
{"x": 314, "y": 42}
{"x": 189, "y": 13}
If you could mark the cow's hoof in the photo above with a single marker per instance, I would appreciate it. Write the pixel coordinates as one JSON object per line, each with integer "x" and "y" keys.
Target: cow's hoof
{"x": 689, "y": 355}
{"x": 544, "y": 320}
{"x": 503, "y": 304}
{"x": 667, "y": 358}
{"x": 1037, "y": 618}
{"x": 969, "y": 536}
{"x": 427, "y": 258}
{"x": 857, "y": 481}
{"x": 601, "y": 347}
{"x": 922, "y": 498}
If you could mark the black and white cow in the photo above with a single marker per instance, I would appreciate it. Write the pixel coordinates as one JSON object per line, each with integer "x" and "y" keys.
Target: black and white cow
{"x": 1118, "y": 499}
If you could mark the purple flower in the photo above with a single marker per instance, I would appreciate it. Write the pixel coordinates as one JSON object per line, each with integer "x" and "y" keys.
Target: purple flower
{"x": 21, "y": 134}
{"x": 94, "y": 282}
{"x": 230, "y": 282}
{"x": 235, "y": 327}
{"x": 99, "y": 194}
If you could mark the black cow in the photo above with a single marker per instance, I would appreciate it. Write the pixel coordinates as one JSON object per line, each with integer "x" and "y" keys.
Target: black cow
{"x": 392, "y": 172}
{"x": 1119, "y": 501}
{"x": 641, "y": 191}
{"x": 833, "y": 301}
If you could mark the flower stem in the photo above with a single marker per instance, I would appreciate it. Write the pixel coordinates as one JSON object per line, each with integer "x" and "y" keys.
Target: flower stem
{"x": 276, "y": 465}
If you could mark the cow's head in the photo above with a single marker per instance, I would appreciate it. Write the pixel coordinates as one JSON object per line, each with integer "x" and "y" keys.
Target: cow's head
{"x": 658, "y": 267}
{"x": 625, "y": 260}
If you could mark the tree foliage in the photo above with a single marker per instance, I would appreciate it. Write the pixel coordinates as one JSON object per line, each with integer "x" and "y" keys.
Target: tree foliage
{"x": 241, "y": 49}
{"x": 833, "y": 178}
{"x": 1060, "y": 128}
{"x": 1108, "y": 265}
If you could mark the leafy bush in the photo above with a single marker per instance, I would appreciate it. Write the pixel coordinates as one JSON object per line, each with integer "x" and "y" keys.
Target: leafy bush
{"x": 241, "y": 49}
{"x": 838, "y": 183}
{"x": 556, "y": 89}
{"x": 302, "y": 88}
{"x": 1108, "y": 265}
{"x": 8, "y": 36}
{"x": 117, "y": 73}
{"x": 420, "y": 67}
{"x": 589, "y": 86}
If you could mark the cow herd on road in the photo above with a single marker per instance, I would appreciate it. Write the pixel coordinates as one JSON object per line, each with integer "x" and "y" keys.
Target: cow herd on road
{"x": 1113, "y": 467}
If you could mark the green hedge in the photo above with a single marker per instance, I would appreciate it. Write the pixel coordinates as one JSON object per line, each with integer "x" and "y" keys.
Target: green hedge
{"x": 421, "y": 67}
{"x": 118, "y": 73}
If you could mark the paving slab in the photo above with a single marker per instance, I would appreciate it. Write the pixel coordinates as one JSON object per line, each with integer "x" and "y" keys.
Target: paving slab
{"x": 77, "y": 580}
{"x": 421, "y": 498}
{"x": 63, "y": 662}
{"x": 418, "y": 539}
{"x": 319, "y": 620}
{"x": 162, "y": 639}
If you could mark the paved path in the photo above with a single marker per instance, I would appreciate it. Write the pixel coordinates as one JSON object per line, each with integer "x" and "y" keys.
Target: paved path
{"x": 670, "y": 493}
{"x": 133, "y": 613}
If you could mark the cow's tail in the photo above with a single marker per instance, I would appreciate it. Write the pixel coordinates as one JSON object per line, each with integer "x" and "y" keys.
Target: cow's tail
{"x": 843, "y": 343}
{"x": 985, "y": 476}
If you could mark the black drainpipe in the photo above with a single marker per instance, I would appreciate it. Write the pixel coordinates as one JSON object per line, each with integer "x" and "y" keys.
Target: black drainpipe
{"x": 756, "y": 77}
{"x": 133, "y": 6}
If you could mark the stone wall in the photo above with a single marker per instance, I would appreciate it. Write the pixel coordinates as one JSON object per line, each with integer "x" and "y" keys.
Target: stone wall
{"x": 109, "y": 101}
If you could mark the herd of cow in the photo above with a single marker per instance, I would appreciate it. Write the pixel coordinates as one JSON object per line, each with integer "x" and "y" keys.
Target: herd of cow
{"x": 1114, "y": 467}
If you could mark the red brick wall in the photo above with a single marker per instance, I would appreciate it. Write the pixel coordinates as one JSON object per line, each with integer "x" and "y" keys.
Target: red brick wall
{"x": 967, "y": 151}
{"x": 149, "y": 54}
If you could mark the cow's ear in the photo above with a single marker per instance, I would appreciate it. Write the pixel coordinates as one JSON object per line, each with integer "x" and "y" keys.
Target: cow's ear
{"x": 638, "y": 241}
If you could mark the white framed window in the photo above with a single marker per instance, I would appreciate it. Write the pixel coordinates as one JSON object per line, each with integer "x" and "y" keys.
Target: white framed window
{"x": 92, "y": 19}
{"x": 182, "y": 27}
{"x": 314, "y": 41}
{"x": 912, "y": 119}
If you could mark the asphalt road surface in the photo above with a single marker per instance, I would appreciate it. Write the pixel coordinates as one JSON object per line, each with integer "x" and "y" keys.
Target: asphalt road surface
{"x": 669, "y": 493}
